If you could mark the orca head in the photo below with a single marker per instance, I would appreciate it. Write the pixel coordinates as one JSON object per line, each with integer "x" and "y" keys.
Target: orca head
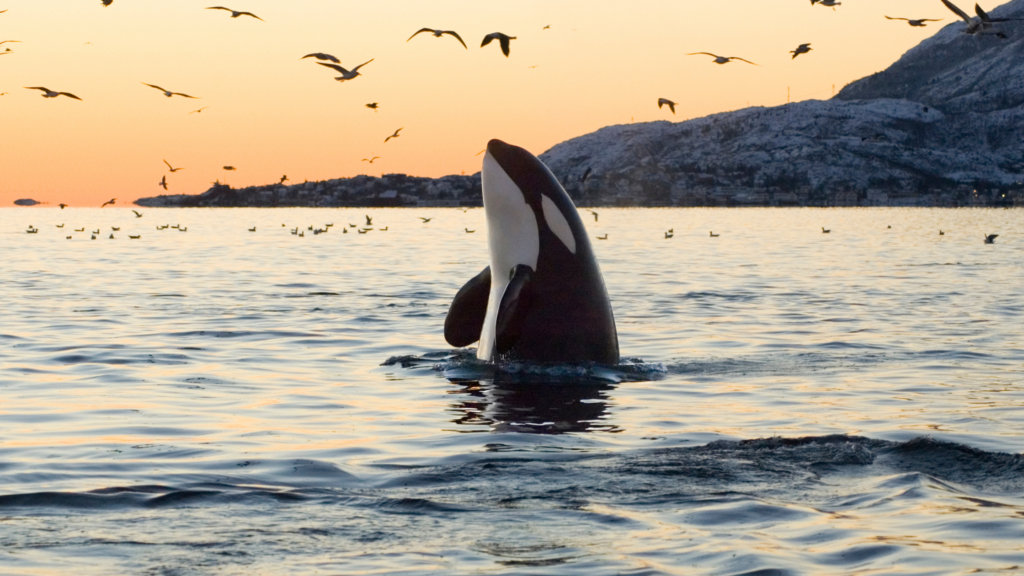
{"x": 523, "y": 201}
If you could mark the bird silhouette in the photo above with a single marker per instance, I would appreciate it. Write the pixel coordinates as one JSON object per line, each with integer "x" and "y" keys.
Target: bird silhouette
{"x": 824, "y": 231}
{"x": 137, "y": 213}
{"x": 666, "y": 102}
{"x": 501, "y": 38}
{"x": 373, "y": 106}
{"x": 425, "y": 220}
{"x": 168, "y": 93}
{"x": 163, "y": 182}
{"x": 321, "y": 56}
{"x": 346, "y": 74}
{"x": 594, "y": 213}
{"x": 230, "y": 168}
{"x": 236, "y": 13}
{"x": 198, "y": 111}
{"x": 991, "y": 238}
{"x": 369, "y": 221}
{"x": 111, "y": 201}
{"x": 439, "y": 33}
{"x": 801, "y": 49}
{"x": 395, "y": 135}
{"x": 63, "y": 206}
{"x": 919, "y": 22}
{"x": 283, "y": 179}
{"x": 171, "y": 168}
{"x": 370, "y": 160}
{"x": 47, "y": 93}
{"x": 722, "y": 59}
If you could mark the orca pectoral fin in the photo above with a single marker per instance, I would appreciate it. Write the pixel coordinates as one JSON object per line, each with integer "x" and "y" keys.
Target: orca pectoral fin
{"x": 515, "y": 304}
{"x": 465, "y": 317}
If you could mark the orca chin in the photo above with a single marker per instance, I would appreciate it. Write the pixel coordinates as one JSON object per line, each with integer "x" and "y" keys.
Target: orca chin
{"x": 542, "y": 297}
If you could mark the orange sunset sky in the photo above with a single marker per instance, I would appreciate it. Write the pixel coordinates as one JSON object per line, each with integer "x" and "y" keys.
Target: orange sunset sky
{"x": 270, "y": 113}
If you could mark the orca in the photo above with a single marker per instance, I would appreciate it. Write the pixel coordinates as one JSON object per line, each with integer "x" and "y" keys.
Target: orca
{"x": 542, "y": 298}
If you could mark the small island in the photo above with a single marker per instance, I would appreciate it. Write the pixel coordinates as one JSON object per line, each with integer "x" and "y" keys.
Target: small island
{"x": 26, "y": 202}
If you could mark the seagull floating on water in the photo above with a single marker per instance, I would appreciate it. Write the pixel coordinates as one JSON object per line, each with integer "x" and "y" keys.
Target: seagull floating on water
{"x": 168, "y": 93}
{"x": 502, "y": 39}
{"x": 439, "y": 33}
{"x": 713, "y": 235}
{"x": 47, "y": 93}
{"x": 824, "y": 231}
{"x": 919, "y": 22}
{"x": 666, "y": 102}
{"x": 605, "y": 237}
{"x": 236, "y": 13}
{"x": 346, "y": 74}
{"x": 722, "y": 59}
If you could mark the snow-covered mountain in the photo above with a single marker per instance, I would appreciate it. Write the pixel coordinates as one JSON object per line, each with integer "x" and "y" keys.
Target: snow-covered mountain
{"x": 943, "y": 125}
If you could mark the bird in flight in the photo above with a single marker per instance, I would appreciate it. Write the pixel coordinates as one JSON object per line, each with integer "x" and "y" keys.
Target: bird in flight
{"x": 168, "y": 93}
{"x": 369, "y": 221}
{"x": 6, "y": 41}
{"x": 112, "y": 200}
{"x": 236, "y": 13}
{"x": 594, "y": 213}
{"x": 62, "y": 206}
{"x": 230, "y": 168}
{"x": 548, "y": 27}
{"x": 828, "y": 3}
{"x": 106, "y": 2}
{"x": 919, "y": 22}
{"x": 170, "y": 168}
{"x": 47, "y": 93}
{"x": 163, "y": 182}
{"x": 438, "y": 33}
{"x": 991, "y": 238}
{"x": 722, "y": 59}
{"x": 373, "y": 106}
{"x": 425, "y": 220}
{"x": 370, "y": 160}
{"x": 321, "y": 56}
{"x": 395, "y": 135}
{"x": 346, "y": 74}
{"x": 501, "y": 38}
{"x": 980, "y": 25}
{"x": 666, "y": 102}
{"x": 137, "y": 213}
{"x": 283, "y": 179}
{"x": 801, "y": 49}
{"x": 200, "y": 110}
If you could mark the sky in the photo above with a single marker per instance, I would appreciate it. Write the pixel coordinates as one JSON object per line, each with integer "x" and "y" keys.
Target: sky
{"x": 270, "y": 113}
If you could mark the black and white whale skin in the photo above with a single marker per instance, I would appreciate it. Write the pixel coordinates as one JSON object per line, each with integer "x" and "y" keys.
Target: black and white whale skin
{"x": 542, "y": 298}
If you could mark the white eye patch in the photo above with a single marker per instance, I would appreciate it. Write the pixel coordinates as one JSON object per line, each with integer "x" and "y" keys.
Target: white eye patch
{"x": 557, "y": 223}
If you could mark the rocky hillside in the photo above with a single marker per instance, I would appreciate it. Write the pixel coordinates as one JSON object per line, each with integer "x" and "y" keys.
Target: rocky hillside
{"x": 942, "y": 126}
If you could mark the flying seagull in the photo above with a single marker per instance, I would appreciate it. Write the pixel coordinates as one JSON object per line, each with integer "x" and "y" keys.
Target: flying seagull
{"x": 6, "y": 41}
{"x": 666, "y": 102}
{"x": 106, "y": 2}
{"x": 230, "y": 168}
{"x": 920, "y": 22}
{"x": 828, "y": 3}
{"x": 346, "y": 74}
{"x": 112, "y": 200}
{"x": 283, "y": 179}
{"x": 137, "y": 213}
{"x": 439, "y": 33}
{"x": 594, "y": 213}
{"x": 163, "y": 182}
{"x": 395, "y": 135}
{"x": 722, "y": 59}
{"x": 200, "y": 110}
{"x": 801, "y": 49}
{"x": 168, "y": 93}
{"x": 373, "y": 106}
{"x": 370, "y": 160}
{"x": 236, "y": 13}
{"x": 991, "y": 238}
{"x": 62, "y": 206}
{"x": 47, "y": 93}
{"x": 321, "y": 56}
{"x": 170, "y": 168}
{"x": 501, "y": 38}
{"x": 980, "y": 25}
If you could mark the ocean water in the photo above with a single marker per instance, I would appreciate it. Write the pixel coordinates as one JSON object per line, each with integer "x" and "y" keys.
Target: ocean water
{"x": 234, "y": 402}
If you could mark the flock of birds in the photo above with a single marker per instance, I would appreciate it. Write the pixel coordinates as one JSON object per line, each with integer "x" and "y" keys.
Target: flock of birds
{"x": 316, "y": 231}
{"x": 980, "y": 25}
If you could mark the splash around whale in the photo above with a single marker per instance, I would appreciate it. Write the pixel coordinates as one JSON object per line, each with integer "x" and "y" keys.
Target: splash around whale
{"x": 542, "y": 297}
